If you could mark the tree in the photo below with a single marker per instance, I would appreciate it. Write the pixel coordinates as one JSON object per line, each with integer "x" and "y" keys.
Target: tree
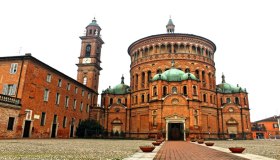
{"x": 88, "y": 127}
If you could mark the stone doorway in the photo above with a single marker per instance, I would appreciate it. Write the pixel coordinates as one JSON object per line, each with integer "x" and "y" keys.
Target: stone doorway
{"x": 176, "y": 131}
{"x": 175, "y": 127}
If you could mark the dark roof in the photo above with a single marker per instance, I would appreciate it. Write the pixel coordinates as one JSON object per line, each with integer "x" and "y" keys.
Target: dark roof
{"x": 270, "y": 119}
{"x": 29, "y": 57}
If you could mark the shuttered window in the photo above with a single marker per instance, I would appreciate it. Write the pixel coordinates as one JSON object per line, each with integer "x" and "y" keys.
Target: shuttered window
{"x": 9, "y": 89}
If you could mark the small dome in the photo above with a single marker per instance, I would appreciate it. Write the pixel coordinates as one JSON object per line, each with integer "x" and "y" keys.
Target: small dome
{"x": 187, "y": 76}
{"x": 159, "y": 76}
{"x": 118, "y": 89}
{"x": 228, "y": 88}
{"x": 93, "y": 23}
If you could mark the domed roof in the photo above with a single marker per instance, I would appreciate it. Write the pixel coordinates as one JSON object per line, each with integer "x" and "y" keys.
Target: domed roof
{"x": 189, "y": 76}
{"x": 93, "y": 23}
{"x": 174, "y": 75}
{"x": 228, "y": 88}
{"x": 118, "y": 89}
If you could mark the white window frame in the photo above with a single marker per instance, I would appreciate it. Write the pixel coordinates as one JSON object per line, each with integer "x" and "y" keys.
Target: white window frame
{"x": 57, "y": 98}
{"x": 66, "y": 101}
{"x": 49, "y": 77}
{"x": 13, "y": 69}
{"x": 74, "y": 104}
{"x": 46, "y": 95}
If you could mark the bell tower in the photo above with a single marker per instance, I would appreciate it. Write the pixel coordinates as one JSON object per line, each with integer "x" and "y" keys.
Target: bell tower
{"x": 89, "y": 59}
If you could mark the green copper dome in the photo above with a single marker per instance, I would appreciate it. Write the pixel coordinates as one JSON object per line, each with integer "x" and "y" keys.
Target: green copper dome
{"x": 228, "y": 88}
{"x": 93, "y": 23}
{"x": 174, "y": 75}
{"x": 118, "y": 89}
{"x": 187, "y": 76}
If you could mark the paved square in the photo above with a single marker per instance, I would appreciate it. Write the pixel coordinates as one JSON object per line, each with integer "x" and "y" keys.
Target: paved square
{"x": 95, "y": 149}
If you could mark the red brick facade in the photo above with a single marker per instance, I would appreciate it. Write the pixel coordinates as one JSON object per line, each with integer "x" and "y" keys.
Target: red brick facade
{"x": 52, "y": 104}
{"x": 173, "y": 92}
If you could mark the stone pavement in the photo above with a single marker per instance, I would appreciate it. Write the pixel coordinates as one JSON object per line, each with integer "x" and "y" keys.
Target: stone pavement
{"x": 180, "y": 150}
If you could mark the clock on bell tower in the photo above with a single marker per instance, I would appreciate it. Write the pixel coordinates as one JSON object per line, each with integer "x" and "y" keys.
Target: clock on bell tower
{"x": 89, "y": 60}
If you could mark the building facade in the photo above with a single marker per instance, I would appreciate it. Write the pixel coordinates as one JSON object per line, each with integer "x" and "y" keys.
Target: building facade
{"x": 173, "y": 92}
{"x": 40, "y": 102}
{"x": 266, "y": 128}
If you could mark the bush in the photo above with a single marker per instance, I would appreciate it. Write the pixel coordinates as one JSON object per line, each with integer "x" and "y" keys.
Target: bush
{"x": 88, "y": 128}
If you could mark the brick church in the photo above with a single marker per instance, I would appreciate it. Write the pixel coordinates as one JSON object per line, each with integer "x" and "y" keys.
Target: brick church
{"x": 172, "y": 93}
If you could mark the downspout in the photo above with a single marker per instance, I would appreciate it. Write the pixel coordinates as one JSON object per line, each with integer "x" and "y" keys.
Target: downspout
{"x": 242, "y": 125}
{"x": 22, "y": 62}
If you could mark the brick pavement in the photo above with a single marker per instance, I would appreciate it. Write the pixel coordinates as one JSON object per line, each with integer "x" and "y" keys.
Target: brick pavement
{"x": 181, "y": 150}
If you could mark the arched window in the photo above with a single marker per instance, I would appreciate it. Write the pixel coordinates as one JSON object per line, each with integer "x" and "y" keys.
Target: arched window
{"x": 85, "y": 80}
{"x": 136, "y": 81}
{"x": 142, "y": 98}
{"x": 88, "y": 48}
{"x": 154, "y": 91}
{"x": 143, "y": 80}
{"x": 211, "y": 101}
{"x": 187, "y": 70}
{"x": 185, "y": 90}
{"x": 228, "y": 100}
{"x": 203, "y": 76}
{"x": 236, "y": 100}
{"x": 197, "y": 74}
{"x": 194, "y": 90}
{"x": 111, "y": 101}
{"x": 119, "y": 101}
{"x": 125, "y": 101}
{"x": 136, "y": 100}
{"x": 159, "y": 71}
{"x": 204, "y": 97}
{"x": 148, "y": 97}
{"x": 245, "y": 100}
{"x": 174, "y": 90}
{"x": 164, "y": 91}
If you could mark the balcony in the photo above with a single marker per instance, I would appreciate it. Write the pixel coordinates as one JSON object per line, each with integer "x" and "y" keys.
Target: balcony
{"x": 9, "y": 100}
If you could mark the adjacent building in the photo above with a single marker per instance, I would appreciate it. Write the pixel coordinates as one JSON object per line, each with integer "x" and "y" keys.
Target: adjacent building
{"x": 38, "y": 101}
{"x": 266, "y": 128}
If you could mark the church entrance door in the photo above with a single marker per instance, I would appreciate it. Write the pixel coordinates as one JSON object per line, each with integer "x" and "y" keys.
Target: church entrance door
{"x": 175, "y": 131}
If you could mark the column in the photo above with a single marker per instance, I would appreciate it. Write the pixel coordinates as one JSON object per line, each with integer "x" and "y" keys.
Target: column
{"x": 184, "y": 131}
{"x": 146, "y": 80}
{"x": 166, "y": 128}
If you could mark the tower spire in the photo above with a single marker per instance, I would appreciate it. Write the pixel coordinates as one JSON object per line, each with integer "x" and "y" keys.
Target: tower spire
{"x": 122, "y": 82}
{"x": 223, "y": 78}
{"x": 170, "y": 27}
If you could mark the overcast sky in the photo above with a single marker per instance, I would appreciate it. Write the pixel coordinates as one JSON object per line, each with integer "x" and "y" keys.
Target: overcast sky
{"x": 246, "y": 33}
